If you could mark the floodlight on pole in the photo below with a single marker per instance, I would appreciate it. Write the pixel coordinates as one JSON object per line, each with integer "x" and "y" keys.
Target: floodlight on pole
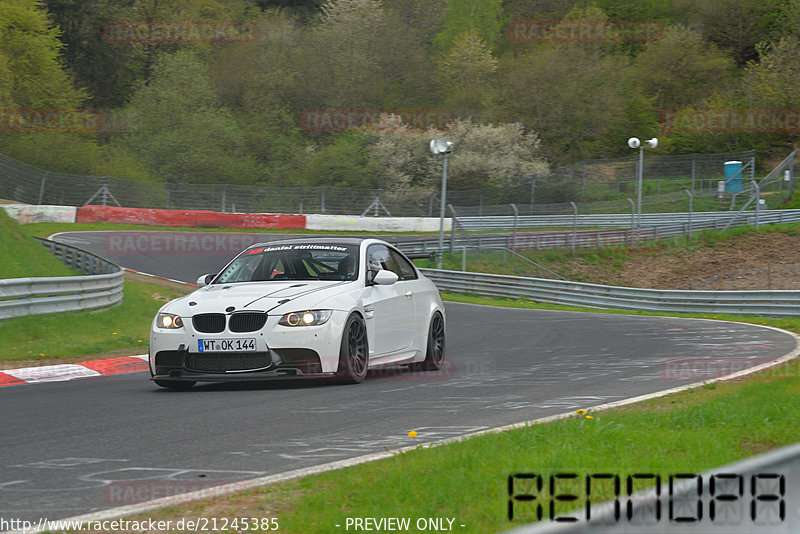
{"x": 444, "y": 147}
{"x": 635, "y": 143}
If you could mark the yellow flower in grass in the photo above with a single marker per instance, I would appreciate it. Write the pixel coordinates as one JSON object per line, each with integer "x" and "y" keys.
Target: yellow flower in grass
{"x": 581, "y": 411}
{"x": 589, "y": 417}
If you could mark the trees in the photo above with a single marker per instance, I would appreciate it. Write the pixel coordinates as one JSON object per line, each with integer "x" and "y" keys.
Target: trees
{"x": 482, "y": 18}
{"x": 572, "y": 96}
{"x": 739, "y": 25}
{"x": 485, "y": 155}
{"x": 681, "y": 69}
{"x": 33, "y": 75}
{"x": 359, "y": 55}
{"x": 180, "y": 130}
{"x": 466, "y": 73}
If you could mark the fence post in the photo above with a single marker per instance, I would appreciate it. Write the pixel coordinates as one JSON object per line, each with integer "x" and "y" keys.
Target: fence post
{"x": 514, "y": 231}
{"x": 574, "y": 225}
{"x": 105, "y": 192}
{"x": 693, "y": 171}
{"x": 41, "y": 186}
{"x": 322, "y": 201}
{"x": 758, "y": 201}
{"x": 533, "y": 189}
{"x": 583, "y": 181}
{"x": 633, "y": 218}
{"x": 166, "y": 197}
{"x": 464, "y": 258}
{"x": 224, "y": 192}
{"x": 691, "y": 198}
{"x": 452, "y": 230}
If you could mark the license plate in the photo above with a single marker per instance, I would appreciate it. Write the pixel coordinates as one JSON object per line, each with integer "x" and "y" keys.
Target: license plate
{"x": 227, "y": 345}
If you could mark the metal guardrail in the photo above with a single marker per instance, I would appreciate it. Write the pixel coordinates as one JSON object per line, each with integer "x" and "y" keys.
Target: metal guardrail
{"x": 621, "y": 220}
{"x": 750, "y": 302}
{"x": 670, "y": 225}
{"x": 101, "y": 286}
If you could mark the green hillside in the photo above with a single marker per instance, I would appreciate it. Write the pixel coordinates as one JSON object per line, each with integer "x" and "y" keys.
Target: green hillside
{"x": 22, "y": 256}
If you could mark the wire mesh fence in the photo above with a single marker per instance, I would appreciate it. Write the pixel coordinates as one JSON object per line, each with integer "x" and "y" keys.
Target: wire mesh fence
{"x": 596, "y": 186}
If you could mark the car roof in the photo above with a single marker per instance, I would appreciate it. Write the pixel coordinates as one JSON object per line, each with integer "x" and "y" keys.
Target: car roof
{"x": 320, "y": 240}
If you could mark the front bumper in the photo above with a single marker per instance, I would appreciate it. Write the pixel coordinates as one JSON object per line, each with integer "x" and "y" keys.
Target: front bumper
{"x": 222, "y": 367}
{"x": 279, "y": 351}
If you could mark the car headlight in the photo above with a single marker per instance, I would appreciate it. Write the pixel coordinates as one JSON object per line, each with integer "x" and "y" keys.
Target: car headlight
{"x": 169, "y": 320}
{"x": 305, "y": 318}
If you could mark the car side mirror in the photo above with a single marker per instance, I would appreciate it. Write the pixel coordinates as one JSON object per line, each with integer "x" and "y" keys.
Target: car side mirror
{"x": 205, "y": 279}
{"x": 384, "y": 278}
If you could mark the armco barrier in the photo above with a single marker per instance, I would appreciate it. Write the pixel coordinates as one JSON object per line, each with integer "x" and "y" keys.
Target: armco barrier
{"x": 31, "y": 296}
{"x": 375, "y": 224}
{"x": 29, "y": 214}
{"x": 716, "y": 219}
{"x": 772, "y": 302}
{"x": 189, "y": 218}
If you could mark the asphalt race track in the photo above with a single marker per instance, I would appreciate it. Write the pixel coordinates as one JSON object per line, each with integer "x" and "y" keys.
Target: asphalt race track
{"x": 69, "y": 448}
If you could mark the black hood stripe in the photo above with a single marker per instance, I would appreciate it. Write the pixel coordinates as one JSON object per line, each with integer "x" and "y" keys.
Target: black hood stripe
{"x": 303, "y": 294}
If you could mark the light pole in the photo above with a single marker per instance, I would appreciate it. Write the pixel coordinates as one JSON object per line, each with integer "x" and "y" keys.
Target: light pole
{"x": 634, "y": 142}
{"x": 444, "y": 147}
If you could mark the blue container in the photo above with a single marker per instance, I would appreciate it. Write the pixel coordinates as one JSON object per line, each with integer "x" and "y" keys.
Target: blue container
{"x": 733, "y": 168}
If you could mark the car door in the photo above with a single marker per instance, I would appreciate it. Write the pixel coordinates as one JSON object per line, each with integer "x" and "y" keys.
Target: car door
{"x": 392, "y": 316}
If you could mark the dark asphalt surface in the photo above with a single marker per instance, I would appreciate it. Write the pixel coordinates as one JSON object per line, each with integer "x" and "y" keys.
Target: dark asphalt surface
{"x": 69, "y": 448}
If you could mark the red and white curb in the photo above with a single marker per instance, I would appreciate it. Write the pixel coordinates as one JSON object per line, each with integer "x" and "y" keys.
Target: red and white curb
{"x": 70, "y": 371}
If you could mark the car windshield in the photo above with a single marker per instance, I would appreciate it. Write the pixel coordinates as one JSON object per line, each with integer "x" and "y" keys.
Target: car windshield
{"x": 308, "y": 261}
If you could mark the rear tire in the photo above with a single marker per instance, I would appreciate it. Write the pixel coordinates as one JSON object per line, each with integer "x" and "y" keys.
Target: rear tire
{"x": 175, "y": 384}
{"x": 353, "y": 352}
{"x": 434, "y": 357}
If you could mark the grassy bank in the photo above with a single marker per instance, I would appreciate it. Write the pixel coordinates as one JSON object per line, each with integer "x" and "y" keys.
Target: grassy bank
{"x": 670, "y": 263}
{"x": 21, "y": 256}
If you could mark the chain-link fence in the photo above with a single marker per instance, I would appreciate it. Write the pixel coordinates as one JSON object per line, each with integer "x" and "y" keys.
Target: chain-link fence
{"x": 598, "y": 186}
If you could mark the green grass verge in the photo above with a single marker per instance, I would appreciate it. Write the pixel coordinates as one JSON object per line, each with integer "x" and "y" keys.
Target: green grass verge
{"x": 560, "y": 260}
{"x": 21, "y": 256}
{"x": 70, "y": 335}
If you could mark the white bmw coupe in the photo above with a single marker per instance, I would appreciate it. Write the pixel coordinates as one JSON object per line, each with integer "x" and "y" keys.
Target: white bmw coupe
{"x": 322, "y": 307}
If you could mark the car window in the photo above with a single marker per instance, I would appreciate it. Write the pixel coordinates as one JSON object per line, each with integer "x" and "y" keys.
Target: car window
{"x": 406, "y": 270}
{"x": 382, "y": 257}
{"x": 293, "y": 262}
{"x": 378, "y": 258}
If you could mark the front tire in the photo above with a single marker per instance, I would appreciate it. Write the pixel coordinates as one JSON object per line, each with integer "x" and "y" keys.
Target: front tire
{"x": 354, "y": 351}
{"x": 175, "y": 384}
{"x": 434, "y": 357}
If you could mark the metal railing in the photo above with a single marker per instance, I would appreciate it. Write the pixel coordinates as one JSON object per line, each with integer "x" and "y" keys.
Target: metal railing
{"x": 623, "y": 220}
{"x": 99, "y": 287}
{"x": 672, "y": 225}
{"x": 749, "y": 302}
